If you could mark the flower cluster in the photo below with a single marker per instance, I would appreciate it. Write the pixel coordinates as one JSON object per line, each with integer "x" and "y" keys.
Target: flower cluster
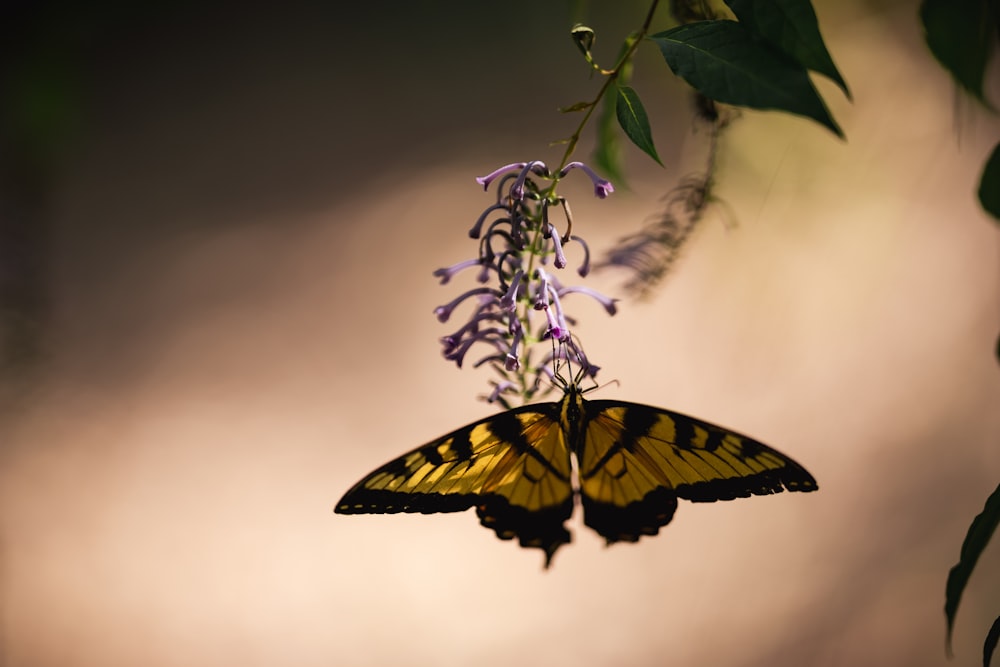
{"x": 518, "y": 302}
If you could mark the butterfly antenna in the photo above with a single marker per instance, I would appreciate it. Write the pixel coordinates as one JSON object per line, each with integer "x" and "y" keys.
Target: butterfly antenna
{"x": 574, "y": 350}
{"x": 586, "y": 369}
{"x": 596, "y": 387}
{"x": 558, "y": 359}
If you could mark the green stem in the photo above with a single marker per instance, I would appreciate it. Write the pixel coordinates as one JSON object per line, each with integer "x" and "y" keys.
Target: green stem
{"x": 612, "y": 76}
{"x": 532, "y": 249}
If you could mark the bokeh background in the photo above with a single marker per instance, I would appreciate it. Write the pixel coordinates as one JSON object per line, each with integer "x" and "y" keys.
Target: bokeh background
{"x": 219, "y": 227}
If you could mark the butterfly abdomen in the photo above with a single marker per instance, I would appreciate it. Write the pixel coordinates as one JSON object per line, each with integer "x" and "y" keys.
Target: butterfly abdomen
{"x": 572, "y": 417}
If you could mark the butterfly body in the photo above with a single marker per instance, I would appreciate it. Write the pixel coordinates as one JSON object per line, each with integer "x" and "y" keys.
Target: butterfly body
{"x": 632, "y": 464}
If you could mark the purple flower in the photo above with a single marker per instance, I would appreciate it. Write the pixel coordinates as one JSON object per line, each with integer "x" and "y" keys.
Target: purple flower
{"x": 554, "y": 330}
{"x": 477, "y": 228}
{"x": 517, "y": 190}
{"x": 585, "y": 267}
{"x": 509, "y": 300}
{"x": 541, "y": 297}
{"x": 471, "y": 327}
{"x": 602, "y": 186}
{"x": 607, "y": 302}
{"x": 446, "y": 273}
{"x": 560, "y": 261}
{"x": 558, "y": 328}
{"x": 502, "y": 387}
{"x": 444, "y": 312}
{"x": 512, "y": 363}
{"x": 489, "y": 178}
{"x": 543, "y": 289}
{"x": 456, "y": 352}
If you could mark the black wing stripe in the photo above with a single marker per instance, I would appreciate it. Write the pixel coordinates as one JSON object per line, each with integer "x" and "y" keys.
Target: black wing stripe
{"x": 432, "y": 454}
{"x": 714, "y": 440}
{"x": 510, "y": 429}
{"x": 462, "y": 445}
{"x": 683, "y": 432}
{"x": 603, "y": 461}
{"x": 635, "y": 425}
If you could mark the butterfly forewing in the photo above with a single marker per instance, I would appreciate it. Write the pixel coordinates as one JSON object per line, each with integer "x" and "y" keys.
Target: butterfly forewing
{"x": 513, "y": 467}
{"x": 636, "y": 460}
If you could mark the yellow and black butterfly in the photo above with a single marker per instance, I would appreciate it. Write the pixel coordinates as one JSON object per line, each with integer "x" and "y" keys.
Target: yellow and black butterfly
{"x": 632, "y": 464}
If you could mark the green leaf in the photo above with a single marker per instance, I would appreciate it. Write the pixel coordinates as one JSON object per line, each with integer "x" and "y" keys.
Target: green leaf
{"x": 633, "y": 120}
{"x": 960, "y": 34}
{"x": 576, "y": 106}
{"x": 990, "y": 644}
{"x": 976, "y": 539}
{"x": 607, "y": 150}
{"x": 989, "y": 184}
{"x": 791, "y": 26}
{"x": 724, "y": 61}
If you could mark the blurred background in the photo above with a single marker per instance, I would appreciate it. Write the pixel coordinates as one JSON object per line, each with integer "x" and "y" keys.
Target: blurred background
{"x": 217, "y": 233}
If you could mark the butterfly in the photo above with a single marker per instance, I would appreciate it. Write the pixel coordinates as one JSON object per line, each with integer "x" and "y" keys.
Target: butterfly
{"x": 632, "y": 463}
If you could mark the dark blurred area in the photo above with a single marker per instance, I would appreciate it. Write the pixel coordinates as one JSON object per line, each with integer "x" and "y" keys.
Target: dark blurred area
{"x": 51, "y": 71}
{"x": 244, "y": 109}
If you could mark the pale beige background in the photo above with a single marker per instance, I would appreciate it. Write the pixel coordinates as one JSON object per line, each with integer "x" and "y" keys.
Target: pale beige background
{"x": 242, "y": 248}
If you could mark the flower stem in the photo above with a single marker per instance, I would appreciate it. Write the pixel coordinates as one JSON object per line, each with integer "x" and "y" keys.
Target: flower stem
{"x": 612, "y": 76}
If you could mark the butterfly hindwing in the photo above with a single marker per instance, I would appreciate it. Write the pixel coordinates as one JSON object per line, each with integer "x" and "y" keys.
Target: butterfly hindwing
{"x": 513, "y": 467}
{"x": 636, "y": 460}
